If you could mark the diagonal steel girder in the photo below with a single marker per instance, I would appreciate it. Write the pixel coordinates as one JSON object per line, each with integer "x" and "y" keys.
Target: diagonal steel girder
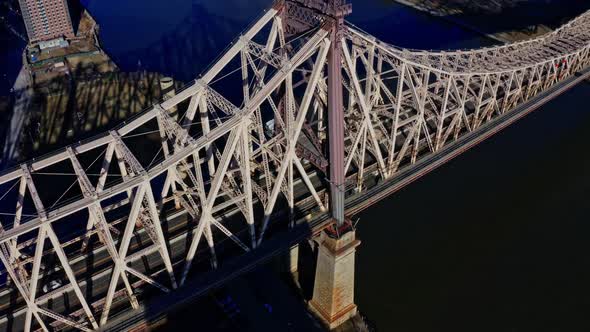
{"x": 397, "y": 107}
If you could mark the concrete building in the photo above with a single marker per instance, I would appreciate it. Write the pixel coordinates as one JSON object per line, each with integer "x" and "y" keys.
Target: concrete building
{"x": 46, "y": 19}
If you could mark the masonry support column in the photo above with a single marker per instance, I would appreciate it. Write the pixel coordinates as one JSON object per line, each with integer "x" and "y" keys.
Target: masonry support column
{"x": 294, "y": 259}
{"x": 288, "y": 262}
{"x": 169, "y": 91}
{"x": 333, "y": 292}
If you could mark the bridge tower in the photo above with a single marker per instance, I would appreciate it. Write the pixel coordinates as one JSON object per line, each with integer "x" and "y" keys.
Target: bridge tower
{"x": 336, "y": 10}
{"x": 299, "y": 16}
{"x": 333, "y": 295}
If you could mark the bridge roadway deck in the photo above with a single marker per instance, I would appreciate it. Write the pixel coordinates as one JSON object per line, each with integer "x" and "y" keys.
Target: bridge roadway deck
{"x": 281, "y": 242}
{"x": 98, "y": 274}
{"x": 95, "y": 271}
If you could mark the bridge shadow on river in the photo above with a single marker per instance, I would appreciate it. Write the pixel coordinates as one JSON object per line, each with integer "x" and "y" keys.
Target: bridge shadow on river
{"x": 72, "y": 108}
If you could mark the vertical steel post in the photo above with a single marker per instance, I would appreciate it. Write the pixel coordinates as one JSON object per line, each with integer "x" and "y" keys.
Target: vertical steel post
{"x": 336, "y": 111}
{"x": 333, "y": 11}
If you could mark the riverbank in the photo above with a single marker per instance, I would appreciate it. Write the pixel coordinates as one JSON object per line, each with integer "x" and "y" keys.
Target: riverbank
{"x": 66, "y": 94}
{"x": 501, "y": 20}
{"x": 74, "y": 57}
{"x": 428, "y": 253}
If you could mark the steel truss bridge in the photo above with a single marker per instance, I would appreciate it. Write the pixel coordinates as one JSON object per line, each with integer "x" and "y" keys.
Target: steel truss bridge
{"x": 315, "y": 112}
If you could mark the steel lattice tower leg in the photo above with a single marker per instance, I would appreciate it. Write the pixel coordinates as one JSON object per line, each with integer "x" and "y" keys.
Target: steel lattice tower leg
{"x": 336, "y": 115}
{"x": 333, "y": 294}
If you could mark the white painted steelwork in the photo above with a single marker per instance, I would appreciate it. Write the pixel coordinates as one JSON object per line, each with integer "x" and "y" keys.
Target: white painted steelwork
{"x": 399, "y": 106}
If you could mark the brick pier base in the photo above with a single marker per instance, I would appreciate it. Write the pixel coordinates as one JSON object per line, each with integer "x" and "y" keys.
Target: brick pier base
{"x": 333, "y": 293}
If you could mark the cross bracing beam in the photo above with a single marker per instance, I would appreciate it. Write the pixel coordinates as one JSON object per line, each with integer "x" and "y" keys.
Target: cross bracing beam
{"x": 399, "y": 106}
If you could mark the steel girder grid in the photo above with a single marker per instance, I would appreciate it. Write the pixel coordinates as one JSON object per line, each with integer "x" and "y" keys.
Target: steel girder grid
{"x": 400, "y": 106}
{"x": 414, "y": 103}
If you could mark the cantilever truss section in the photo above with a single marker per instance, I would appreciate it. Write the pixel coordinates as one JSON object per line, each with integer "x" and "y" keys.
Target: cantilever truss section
{"x": 206, "y": 175}
{"x": 404, "y": 105}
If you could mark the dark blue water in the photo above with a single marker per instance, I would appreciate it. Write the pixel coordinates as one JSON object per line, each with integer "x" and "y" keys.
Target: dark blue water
{"x": 493, "y": 241}
{"x": 11, "y": 47}
{"x": 181, "y": 38}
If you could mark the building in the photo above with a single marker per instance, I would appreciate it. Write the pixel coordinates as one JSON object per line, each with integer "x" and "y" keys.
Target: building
{"x": 46, "y": 19}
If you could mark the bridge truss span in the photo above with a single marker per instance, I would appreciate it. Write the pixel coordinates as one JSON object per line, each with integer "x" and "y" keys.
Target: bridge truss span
{"x": 241, "y": 153}
{"x": 566, "y": 42}
{"x": 420, "y": 101}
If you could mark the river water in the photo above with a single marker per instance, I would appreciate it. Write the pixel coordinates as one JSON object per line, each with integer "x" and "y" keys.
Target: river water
{"x": 493, "y": 241}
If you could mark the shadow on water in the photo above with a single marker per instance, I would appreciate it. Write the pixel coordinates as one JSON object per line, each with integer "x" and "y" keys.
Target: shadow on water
{"x": 201, "y": 35}
{"x": 182, "y": 51}
{"x": 72, "y": 108}
{"x": 306, "y": 267}
{"x": 258, "y": 300}
{"x": 413, "y": 275}
{"x": 179, "y": 45}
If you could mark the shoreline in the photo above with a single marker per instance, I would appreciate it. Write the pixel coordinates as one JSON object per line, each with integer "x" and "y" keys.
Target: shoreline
{"x": 448, "y": 15}
{"x": 68, "y": 94}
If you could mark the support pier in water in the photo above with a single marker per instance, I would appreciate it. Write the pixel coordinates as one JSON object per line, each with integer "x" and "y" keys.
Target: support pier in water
{"x": 333, "y": 292}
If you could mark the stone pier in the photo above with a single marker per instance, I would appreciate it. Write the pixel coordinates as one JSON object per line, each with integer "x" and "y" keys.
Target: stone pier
{"x": 169, "y": 91}
{"x": 294, "y": 259}
{"x": 333, "y": 293}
